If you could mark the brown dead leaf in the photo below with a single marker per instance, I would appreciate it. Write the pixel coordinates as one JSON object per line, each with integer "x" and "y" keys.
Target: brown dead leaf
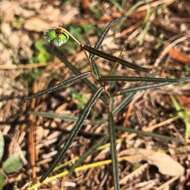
{"x": 165, "y": 163}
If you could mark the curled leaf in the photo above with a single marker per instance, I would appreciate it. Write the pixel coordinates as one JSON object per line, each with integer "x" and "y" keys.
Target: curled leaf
{"x": 165, "y": 163}
{"x": 57, "y": 37}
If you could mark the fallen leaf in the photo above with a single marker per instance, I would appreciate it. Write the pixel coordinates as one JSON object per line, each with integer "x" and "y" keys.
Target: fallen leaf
{"x": 165, "y": 163}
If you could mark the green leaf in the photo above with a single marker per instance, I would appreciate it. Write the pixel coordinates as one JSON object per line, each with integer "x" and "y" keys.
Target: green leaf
{"x": 84, "y": 114}
{"x": 76, "y": 31}
{"x": 113, "y": 58}
{"x": 126, "y": 100}
{"x": 41, "y": 54}
{"x": 141, "y": 88}
{"x": 2, "y": 145}
{"x": 60, "y": 40}
{"x": 74, "y": 69}
{"x": 52, "y": 89}
{"x": 135, "y": 79}
{"x": 57, "y": 37}
{"x": 12, "y": 164}
{"x": 65, "y": 117}
{"x": 58, "y": 86}
{"x": 80, "y": 99}
{"x": 150, "y": 86}
{"x": 95, "y": 69}
{"x": 102, "y": 37}
{"x": 113, "y": 150}
{"x": 50, "y": 35}
{"x": 2, "y": 180}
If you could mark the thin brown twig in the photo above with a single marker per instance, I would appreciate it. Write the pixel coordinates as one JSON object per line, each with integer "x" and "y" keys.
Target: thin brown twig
{"x": 168, "y": 183}
{"x": 28, "y": 66}
{"x": 168, "y": 47}
{"x": 163, "y": 123}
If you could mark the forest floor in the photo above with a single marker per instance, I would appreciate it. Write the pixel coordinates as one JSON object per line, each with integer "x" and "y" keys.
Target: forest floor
{"x": 153, "y": 153}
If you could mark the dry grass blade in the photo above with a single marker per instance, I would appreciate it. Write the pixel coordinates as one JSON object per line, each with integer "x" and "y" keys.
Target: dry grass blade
{"x": 16, "y": 67}
{"x": 168, "y": 47}
{"x": 78, "y": 169}
{"x": 167, "y": 184}
{"x": 74, "y": 131}
{"x": 139, "y": 171}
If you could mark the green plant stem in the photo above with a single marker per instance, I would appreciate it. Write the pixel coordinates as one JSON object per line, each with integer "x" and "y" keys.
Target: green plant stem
{"x": 112, "y": 134}
{"x": 74, "y": 131}
{"x": 114, "y": 59}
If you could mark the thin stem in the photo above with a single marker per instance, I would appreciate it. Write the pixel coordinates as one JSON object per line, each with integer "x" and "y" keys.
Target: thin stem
{"x": 94, "y": 68}
{"x": 75, "y": 130}
{"x": 66, "y": 31}
{"x": 112, "y": 133}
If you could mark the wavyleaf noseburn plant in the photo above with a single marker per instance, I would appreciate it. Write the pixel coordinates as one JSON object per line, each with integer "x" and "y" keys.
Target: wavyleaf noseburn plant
{"x": 57, "y": 38}
{"x": 60, "y": 36}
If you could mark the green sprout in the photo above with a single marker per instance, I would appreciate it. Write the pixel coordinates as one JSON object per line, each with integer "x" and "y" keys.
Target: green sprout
{"x": 57, "y": 36}
{"x": 80, "y": 99}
